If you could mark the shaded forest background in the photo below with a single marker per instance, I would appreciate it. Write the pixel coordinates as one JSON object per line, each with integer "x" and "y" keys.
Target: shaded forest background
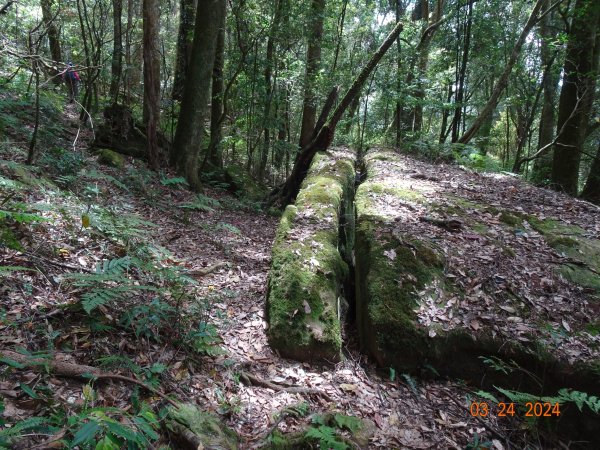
{"x": 497, "y": 85}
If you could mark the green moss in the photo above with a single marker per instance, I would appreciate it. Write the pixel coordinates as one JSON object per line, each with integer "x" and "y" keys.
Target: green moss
{"x": 510, "y": 219}
{"x": 207, "y": 427}
{"x": 570, "y": 241}
{"x": 508, "y": 251}
{"x": 561, "y": 241}
{"x": 307, "y": 269}
{"x": 553, "y": 226}
{"x": 479, "y": 227}
{"x": 111, "y": 158}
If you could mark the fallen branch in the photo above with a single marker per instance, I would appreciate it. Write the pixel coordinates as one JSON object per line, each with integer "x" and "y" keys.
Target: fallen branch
{"x": 253, "y": 380}
{"x": 58, "y": 264}
{"x": 78, "y": 371}
{"x": 448, "y": 224}
{"x": 206, "y": 270}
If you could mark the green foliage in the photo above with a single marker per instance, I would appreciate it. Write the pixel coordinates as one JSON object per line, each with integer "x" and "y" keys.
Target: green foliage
{"x": 109, "y": 283}
{"x": 477, "y": 443}
{"x": 147, "y": 320}
{"x": 411, "y": 382}
{"x": 204, "y": 339}
{"x": 178, "y": 182}
{"x": 202, "y": 203}
{"x": 327, "y": 437}
{"x": 228, "y": 227}
{"x": 112, "y": 428}
{"x": 9, "y": 436}
{"x": 62, "y": 162}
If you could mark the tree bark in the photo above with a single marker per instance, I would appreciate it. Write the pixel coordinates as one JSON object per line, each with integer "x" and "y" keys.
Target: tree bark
{"x": 313, "y": 62}
{"x": 117, "y": 56}
{"x": 270, "y": 63}
{"x": 542, "y": 166}
{"x": 53, "y": 40}
{"x": 216, "y": 107}
{"x": 185, "y": 36}
{"x": 289, "y": 190}
{"x": 460, "y": 82}
{"x": 151, "y": 79}
{"x": 591, "y": 190}
{"x": 491, "y": 104}
{"x": 189, "y": 133}
{"x": 576, "y": 96}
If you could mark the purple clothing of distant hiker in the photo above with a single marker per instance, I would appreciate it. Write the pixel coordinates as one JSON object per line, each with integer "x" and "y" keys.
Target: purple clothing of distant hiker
{"x": 72, "y": 80}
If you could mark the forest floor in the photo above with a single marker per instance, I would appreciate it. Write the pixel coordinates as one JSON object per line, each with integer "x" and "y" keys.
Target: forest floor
{"x": 221, "y": 244}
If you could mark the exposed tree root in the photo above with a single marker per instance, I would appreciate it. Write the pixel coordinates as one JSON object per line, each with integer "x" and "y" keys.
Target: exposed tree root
{"x": 253, "y": 380}
{"x": 79, "y": 371}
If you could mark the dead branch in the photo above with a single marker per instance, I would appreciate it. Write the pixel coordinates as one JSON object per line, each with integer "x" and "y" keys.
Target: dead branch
{"x": 252, "y": 380}
{"x": 448, "y": 224}
{"x": 206, "y": 270}
{"x": 77, "y": 371}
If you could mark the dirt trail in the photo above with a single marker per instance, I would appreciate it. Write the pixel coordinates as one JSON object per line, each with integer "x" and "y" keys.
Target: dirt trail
{"x": 407, "y": 413}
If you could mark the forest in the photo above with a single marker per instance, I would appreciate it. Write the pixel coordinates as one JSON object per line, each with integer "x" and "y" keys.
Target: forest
{"x": 299, "y": 224}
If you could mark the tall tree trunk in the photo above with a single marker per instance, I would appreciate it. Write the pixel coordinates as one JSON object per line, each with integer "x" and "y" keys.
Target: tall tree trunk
{"x": 188, "y": 136}
{"x": 313, "y": 62}
{"x": 324, "y": 136}
{"x": 151, "y": 79}
{"x": 216, "y": 107}
{"x": 398, "y": 112}
{"x": 269, "y": 88}
{"x": 542, "y": 166}
{"x": 576, "y": 95}
{"x": 50, "y": 23}
{"x": 340, "y": 33}
{"x": 117, "y": 56}
{"x": 185, "y": 36}
{"x": 492, "y": 102}
{"x": 591, "y": 190}
{"x": 460, "y": 82}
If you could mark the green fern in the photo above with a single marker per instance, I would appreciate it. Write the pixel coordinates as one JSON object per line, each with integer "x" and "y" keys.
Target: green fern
{"x": 580, "y": 399}
{"x": 202, "y": 203}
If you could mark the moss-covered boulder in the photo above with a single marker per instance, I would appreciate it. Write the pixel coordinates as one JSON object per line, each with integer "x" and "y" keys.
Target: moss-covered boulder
{"x": 304, "y": 295}
{"x": 111, "y": 158}
{"x": 429, "y": 300}
{"x": 192, "y": 429}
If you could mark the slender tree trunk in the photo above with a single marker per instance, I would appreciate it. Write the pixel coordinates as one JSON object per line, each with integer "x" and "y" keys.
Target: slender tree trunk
{"x": 270, "y": 63}
{"x": 542, "y": 166}
{"x": 340, "y": 33}
{"x": 591, "y": 190}
{"x": 151, "y": 79}
{"x": 460, "y": 90}
{"x": 288, "y": 191}
{"x": 216, "y": 107}
{"x": 128, "y": 62}
{"x": 50, "y": 23}
{"x": 576, "y": 95}
{"x": 313, "y": 62}
{"x": 117, "y": 56}
{"x": 188, "y": 136}
{"x": 398, "y": 112}
{"x": 185, "y": 36}
{"x": 491, "y": 104}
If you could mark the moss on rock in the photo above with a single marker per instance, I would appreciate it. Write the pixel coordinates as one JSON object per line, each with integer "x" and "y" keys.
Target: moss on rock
{"x": 192, "y": 428}
{"x": 307, "y": 270}
{"x": 111, "y": 158}
{"x": 396, "y": 270}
